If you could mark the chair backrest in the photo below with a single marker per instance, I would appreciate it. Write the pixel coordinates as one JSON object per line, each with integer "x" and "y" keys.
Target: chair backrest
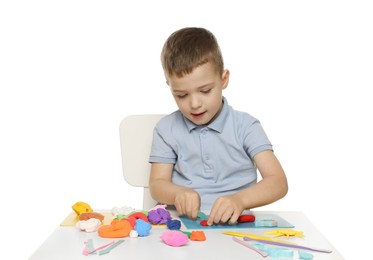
{"x": 136, "y": 134}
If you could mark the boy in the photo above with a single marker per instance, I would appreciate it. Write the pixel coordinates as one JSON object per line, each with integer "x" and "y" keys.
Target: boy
{"x": 206, "y": 155}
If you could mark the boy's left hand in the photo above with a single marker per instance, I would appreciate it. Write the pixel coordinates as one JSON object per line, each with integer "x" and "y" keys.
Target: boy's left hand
{"x": 225, "y": 209}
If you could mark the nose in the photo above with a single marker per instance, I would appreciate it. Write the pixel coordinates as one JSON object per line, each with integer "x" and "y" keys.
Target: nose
{"x": 195, "y": 102}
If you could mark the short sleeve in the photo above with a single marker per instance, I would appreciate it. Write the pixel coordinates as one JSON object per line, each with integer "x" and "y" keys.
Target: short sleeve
{"x": 255, "y": 139}
{"x": 161, "y": 151}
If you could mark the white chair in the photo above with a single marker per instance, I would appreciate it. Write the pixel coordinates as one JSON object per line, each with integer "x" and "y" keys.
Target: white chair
{"x": 136, "y": 134}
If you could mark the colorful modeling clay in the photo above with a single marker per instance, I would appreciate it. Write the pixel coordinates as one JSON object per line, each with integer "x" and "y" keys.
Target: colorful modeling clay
{"x": 132, "y": 217}
{"x": 266, "y": 223}
{"x": 203, "y": 223}
{"x": 198, "y": 236}
{"x": 143, "y": 228}
{"x": 134, "y": 234}
{"x": 121, "y": 211}
{"x": 159, "y": 206}
{"x": 174, "y": 238}
{"x": 304, "y": 255}
{"x": 275, "y": 252}
{"x": 90, "y": 225}
{"x": 159, "y": 216}
{"x": 131, "y": 220}
{"x": 241, "y": 219}
{"x": 88, "y": 215}
{"x": 138, "y": 215}
{"x": 144, "y": 214}
{"x": 187, "y": 233}
{"x": 81, "y": 207}
{"x": 117, "y": 228}
{"x": 173, "y": 224}
{"x": 246, "y": 218}
{"x": 285, "y": 232}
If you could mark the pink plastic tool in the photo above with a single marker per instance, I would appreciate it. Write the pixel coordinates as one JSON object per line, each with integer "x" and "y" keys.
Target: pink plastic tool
{"x": 87, "y": 252}
{"x": 262, "y": 253}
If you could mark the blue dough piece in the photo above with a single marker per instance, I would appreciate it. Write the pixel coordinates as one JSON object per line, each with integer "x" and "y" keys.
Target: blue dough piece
{"x": 275, "y": 252}
{"x": 173, "y": 224}
{"x": 304, "y": 255}
{"x": 266, "y": 223}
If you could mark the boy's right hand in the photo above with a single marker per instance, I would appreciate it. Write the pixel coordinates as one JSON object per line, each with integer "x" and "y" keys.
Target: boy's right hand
{"x": 187, "y": 202}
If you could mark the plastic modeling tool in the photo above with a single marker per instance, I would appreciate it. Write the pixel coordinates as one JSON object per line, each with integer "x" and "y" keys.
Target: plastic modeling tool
{"x": 276, "y": 243}
{"x": 262, "y": 253}
{"x": 111, "y": 247}
{"x": 254, "y": 237}
{"x": 202, "y": 216}
{"x": 86, "y": 251}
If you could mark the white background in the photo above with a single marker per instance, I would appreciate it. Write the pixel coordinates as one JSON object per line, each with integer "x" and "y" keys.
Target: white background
{"x": 70, "y": 71}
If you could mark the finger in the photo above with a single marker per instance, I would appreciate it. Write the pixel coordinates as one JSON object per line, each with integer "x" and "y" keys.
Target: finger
{"x": 195, "y": 210}
{"x": 227, "y": 215}
{"x": 179, "y": 208}
{"x": 234, "y": 217}
{"x": 218, "y": 215}
{"x": 188, "y": 208}
{"x": 211, "y": 218}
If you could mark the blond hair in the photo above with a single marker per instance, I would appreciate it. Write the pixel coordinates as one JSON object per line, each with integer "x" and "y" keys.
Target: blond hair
{"x": 188, "y": 48}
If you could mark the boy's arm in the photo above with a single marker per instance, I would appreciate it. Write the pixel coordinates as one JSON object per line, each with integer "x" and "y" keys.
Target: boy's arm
{"x": 272, "y": 187}
{"x": 186, "y": 200}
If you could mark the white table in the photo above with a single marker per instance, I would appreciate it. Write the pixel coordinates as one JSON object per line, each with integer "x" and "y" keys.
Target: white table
{"x": 68, "y": 243}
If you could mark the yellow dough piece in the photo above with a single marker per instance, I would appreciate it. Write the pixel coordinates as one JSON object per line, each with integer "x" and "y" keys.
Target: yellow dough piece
{"x": 285, "y": 232}
{"x": 81, "y": 207}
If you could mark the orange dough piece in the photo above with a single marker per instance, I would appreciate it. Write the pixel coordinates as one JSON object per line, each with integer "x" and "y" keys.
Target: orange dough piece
{"x": 117, "y": 229}
{"x": 198, "y": 236}
{"x": 88, "y": 215}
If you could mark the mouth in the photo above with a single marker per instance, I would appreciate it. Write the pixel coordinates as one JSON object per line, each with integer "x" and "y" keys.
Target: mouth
{"x": 198, "y": 115}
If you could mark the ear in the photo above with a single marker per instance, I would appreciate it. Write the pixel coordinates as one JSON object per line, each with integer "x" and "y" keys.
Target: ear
{"x": 225, "y": 78}
{"x": 166, "y": 78}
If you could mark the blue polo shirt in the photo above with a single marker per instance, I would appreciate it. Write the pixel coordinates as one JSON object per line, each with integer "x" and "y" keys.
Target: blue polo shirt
{"x": 215, "y": 159}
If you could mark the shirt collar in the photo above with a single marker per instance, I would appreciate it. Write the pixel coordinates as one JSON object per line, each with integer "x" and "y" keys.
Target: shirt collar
{"x": 218, "y": 122}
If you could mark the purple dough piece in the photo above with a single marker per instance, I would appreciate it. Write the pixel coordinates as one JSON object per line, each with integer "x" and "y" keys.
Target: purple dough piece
{"x": 154, "y": 217}
{"x": 164, "y": 214}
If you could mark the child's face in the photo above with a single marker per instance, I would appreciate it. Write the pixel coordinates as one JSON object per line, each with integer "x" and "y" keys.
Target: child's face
{"x": 199, "y": 94}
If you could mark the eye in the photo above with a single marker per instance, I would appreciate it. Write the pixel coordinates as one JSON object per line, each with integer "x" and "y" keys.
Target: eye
{"x": 205, "y": 91}
{"x": 181, "y": 96}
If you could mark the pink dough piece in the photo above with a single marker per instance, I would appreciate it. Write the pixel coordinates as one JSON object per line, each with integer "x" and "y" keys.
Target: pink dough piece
{"x": 174, "y": 238}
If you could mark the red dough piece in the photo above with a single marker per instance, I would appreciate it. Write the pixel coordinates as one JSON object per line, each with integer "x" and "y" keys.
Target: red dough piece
{"x": 131, "y": 220}
{"x": 139, "y": 215}
{"x": 203, "y": 223}
{"x": 241, "y": 219}
{"x": 246, "y": 218}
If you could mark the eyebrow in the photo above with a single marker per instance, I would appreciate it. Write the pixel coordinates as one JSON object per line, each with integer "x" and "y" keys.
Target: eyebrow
{"x": 198, "y": 88}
